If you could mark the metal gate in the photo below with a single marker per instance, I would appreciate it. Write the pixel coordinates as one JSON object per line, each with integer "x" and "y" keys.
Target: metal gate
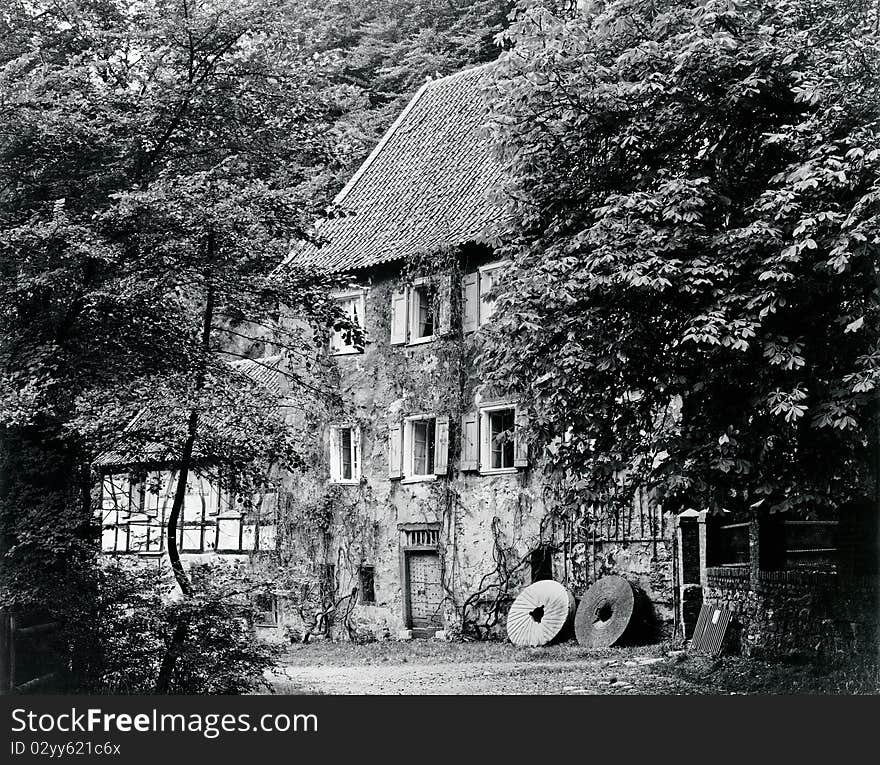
{"x": 424, "y": 592}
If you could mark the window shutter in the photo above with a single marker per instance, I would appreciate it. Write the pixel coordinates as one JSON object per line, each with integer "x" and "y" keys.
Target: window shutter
{"x": 470, "y": 302}
{"x": 398, "y": 317}
{"x": 441, "y": 445}
{"x": 357, "y": 441}
{"x": 520, "y": 446}
{"x": 444, "y": 323}
{"x": 334, "y": 453}
{"x": 394, "y": 451}
{"x": 470, "y": 432}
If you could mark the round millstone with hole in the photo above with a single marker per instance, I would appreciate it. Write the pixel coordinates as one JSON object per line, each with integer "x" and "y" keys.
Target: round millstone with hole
{"x": 539, "y": 613}
{"x": 605, "y": 612}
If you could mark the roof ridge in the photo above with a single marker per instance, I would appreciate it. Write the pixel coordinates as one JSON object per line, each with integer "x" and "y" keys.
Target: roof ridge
{"x": 463, "y": 72}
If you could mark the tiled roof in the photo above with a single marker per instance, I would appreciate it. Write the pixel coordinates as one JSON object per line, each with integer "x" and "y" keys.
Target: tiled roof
{"x": 133, "y": 450}
{"x": 425, "y": 185}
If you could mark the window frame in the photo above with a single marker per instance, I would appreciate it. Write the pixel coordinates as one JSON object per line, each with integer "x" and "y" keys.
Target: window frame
{"x": 370, "y": 570}
{"x": 358, "y": 295}
{"x": 413, "y": 304}
{"x": 483, "y": 317}
{"x": 485, "y": 447}
{"x": 356, "y": 454}
{"x": 409, "y": 474}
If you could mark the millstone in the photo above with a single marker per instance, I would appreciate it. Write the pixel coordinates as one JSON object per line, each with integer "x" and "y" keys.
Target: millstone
{"x": 605, "y": 612}
{"x": 539, "y": 613}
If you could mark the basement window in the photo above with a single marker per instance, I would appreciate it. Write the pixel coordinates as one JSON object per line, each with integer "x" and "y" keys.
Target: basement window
{"x": 367, "y": 576}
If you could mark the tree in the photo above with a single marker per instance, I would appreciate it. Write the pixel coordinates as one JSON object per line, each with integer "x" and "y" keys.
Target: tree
{"x": 694, "y": 198}
{"x": 381, "y": 52}
{"x": 156, "y": 161}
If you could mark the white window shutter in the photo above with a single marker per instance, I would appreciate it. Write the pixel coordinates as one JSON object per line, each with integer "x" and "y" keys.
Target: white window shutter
{"x": 470, "y": 434}
{"x": 444, "y": 321}
{"x": 357, "y": 441}
{"x": 398, "y": 317}
{"x": 470, "y": 302}
{"x": 441, "y": 445}
{"x": 334, "y": 454}
{"x": 395, "y": 451}
{"x": 520, "y": 445}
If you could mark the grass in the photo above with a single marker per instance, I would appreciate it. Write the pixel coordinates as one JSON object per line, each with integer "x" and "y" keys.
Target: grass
{"x": 735, "y": 674}
{"x": 442, "y": 652}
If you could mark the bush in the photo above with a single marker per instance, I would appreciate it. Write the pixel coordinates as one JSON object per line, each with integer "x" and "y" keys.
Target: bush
{"x": 119, "y": 645}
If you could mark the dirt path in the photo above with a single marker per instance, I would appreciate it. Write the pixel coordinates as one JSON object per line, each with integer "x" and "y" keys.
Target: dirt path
{"x": 637, "y": 675}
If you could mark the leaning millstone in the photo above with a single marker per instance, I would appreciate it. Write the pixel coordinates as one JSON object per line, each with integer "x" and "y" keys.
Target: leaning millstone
{"x": 539, "y": 613}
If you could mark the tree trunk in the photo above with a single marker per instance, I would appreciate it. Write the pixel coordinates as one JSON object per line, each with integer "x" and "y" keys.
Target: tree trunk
{"x": 178, "y": 637}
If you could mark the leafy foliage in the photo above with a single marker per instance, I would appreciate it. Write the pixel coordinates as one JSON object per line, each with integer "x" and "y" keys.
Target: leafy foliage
{"x": 695, "y": 190}
{"x": 156, "y": 160}
{"x": 131, "y": 620}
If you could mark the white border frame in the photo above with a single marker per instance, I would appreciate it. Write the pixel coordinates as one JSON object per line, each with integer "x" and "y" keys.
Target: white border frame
{"x": 407, "y": 450}
{"x": 358, "y": 444}
{"x": 360, "y": 294}
{"x": 483, "y": 411}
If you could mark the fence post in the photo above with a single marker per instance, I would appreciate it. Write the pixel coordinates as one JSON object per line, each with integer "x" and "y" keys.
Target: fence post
{"x": 689, "y": 532}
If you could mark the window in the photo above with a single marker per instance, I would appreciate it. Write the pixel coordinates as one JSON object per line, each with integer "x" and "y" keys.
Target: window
{"x": 424, "y": 312}
{"x": 491, "y": 440}
{"x": 477, "y": 305}
{"x": 266, "y": 610}
{"x": 500, "y": 425}
{"x": 367, "y": 576}
{"x": 498, "y": 443}
{"x": 418, "y": 448}
{"x": 422, "y": 537}
{"x": 343, "y": 340}
{"x": 420, "y": 312}
{"x": 135, "y": 511}
{"x": 489, "y": 275}
{"x": 422, "y": 452}
{"x": 345, "y": 454}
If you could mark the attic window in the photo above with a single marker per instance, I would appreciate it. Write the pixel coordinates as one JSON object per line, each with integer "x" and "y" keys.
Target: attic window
{"x": 424, "y": 311}
{"x": 476, "y": 288}
{"x": 420, "y": 311}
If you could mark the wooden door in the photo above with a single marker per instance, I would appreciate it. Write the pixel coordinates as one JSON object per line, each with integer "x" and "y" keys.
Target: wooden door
{"x": 424, "y": 592}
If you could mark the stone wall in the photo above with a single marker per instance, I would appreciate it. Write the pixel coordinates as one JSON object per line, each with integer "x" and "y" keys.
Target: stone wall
{"x": 489, "y": 524}
{"x": 779, "y": 612}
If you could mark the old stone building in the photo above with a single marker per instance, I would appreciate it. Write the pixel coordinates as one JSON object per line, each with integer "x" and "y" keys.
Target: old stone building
{"x": 439, "y": 511}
